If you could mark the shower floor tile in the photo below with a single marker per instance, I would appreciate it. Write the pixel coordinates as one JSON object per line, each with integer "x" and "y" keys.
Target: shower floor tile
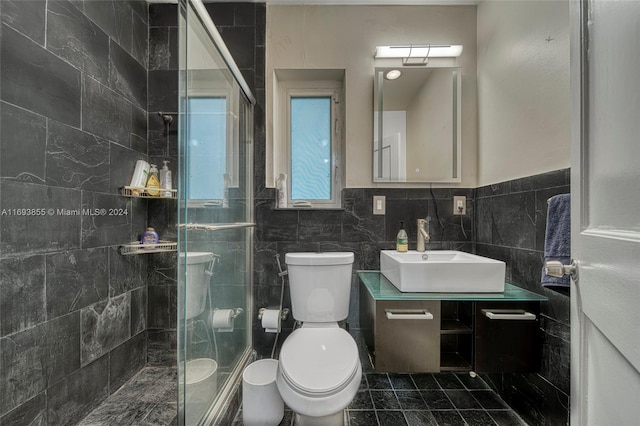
{"x": 147, "y": 399}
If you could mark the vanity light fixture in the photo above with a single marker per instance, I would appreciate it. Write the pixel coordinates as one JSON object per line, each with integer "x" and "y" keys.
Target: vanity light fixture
{"x": 393, "y": 74}
{"x": 418, "y": 54}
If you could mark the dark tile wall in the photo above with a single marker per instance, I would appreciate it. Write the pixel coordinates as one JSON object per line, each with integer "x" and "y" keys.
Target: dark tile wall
{"x": 510, "y": 222}
{"x": 163, "y": 145}
{"x": 73, "y": 121}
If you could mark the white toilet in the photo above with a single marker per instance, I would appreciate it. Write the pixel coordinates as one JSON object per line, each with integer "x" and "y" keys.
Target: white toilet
{"x": 319, "y": 369}
{"x": 197, "y": 282}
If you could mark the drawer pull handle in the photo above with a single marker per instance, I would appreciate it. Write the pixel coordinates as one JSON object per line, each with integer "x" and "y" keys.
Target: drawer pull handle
{"x": 408, "y": 314}
{"x": 509, "y": 314}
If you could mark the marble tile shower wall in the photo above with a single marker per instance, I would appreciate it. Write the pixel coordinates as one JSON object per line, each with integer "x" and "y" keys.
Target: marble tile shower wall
{"x": 73, "y": 79}
{"x": 510, "y": 226}
{"x": 163, "y": 145}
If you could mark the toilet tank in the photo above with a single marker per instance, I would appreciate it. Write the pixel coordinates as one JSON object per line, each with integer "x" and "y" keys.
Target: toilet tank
{"x": 197, "y": 282}
{"x": 320, "y": 285}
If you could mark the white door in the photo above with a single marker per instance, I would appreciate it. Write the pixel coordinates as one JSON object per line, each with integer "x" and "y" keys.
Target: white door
{"x": 605, "y": 300}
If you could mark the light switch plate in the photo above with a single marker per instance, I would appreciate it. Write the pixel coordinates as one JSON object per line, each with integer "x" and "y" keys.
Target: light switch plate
{"x": 379, "y": 205}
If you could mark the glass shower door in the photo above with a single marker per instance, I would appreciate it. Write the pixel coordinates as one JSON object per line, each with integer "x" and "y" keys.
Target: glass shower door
{"x": 215, "y": 221}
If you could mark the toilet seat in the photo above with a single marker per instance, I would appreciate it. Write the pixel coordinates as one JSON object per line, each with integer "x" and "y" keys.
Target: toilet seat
{"x": 319, "y": 362}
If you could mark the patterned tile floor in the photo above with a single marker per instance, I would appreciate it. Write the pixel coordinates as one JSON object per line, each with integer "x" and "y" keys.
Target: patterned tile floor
{"x": 147, "y": 399}
{"x": 419, "y": 399}
{"x": 423, "y": 399}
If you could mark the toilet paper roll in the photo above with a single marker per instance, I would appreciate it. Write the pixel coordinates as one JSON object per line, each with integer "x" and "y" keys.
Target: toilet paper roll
{"x": 271, "y": 320}
{"x": 222, "y": 320}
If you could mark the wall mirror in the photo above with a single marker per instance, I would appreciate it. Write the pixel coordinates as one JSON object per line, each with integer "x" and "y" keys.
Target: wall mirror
{"x": 417, "y": 131}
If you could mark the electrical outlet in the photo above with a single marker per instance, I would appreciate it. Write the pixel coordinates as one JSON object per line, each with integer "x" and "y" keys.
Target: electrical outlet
{"x": 459, "y": 205}
{"x": 379, "y": 205}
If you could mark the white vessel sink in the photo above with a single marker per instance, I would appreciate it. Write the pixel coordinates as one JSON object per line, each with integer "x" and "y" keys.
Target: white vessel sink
{"x": 442, "y": 271}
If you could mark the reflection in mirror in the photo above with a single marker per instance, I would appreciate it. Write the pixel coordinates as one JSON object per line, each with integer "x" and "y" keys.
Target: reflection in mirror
{"x": 212, "y": 159}
{"x": 212, "y": 104}
{"x": 417, "y": 132}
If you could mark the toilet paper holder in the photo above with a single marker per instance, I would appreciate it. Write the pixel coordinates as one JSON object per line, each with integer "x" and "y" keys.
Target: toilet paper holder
{"x": 283, "y": 313}
{"x": 237, "y": 312}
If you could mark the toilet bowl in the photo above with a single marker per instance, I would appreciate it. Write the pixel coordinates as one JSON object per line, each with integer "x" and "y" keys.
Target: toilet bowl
{"x": 319, "y": 368}
{"x": 319, "y": 374}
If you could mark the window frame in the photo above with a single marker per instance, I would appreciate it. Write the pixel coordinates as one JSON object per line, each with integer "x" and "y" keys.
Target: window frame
{"x": 314, "y": 89}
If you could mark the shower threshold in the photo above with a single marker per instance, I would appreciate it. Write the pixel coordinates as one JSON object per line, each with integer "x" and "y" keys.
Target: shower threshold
{"x": 147, "y": 399}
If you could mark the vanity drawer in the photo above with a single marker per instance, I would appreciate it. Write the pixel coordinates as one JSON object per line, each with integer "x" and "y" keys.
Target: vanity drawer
{"x": 407, "y": 336}
{"x": 507, "y": 336}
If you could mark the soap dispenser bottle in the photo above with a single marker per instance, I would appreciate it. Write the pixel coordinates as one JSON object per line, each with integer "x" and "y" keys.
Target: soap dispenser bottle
{"x": 153, "y": 184}
{"x": 165, "y": 179}
{"x": 402, "y": 240}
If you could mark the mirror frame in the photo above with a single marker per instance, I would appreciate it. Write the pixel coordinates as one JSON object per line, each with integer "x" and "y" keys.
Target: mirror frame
{"x": 456, "y": 166}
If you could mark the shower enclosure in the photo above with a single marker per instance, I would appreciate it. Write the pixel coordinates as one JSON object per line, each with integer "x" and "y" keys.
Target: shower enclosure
{"x": 215, "y": 220}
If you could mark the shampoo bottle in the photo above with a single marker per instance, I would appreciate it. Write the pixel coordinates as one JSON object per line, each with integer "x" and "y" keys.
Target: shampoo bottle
{"x": 149, "y": 236}
{"x": 225, "y": 192}
{"x": 281, "y": 185}
{"x": 165, "y": 179}
{"x": 153, "y": 184}
{"x": 402, "y": 240}
{"x": 140, "y": 177}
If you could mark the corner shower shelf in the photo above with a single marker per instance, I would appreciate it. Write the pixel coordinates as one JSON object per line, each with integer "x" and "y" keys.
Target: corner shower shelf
{"x": 215, "y": 226}
{"x": 136, "y": 247}
{"x": 132, "y": 192}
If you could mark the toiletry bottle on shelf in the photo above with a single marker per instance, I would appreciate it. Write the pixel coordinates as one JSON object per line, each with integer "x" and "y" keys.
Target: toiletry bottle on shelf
{"x": 149, "y": 236}
{"x": 225, "y": 192}
{"x": 165, "y": 179}
{"x": 281, "y": 185}
{"x": 402, "y": 240}
{"x": 140, "y": 177}
{"x": 153, "y": 184}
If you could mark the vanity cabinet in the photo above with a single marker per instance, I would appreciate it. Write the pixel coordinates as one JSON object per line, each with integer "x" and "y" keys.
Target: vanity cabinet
{"x": 396, "y": 325}
{"x": 434, "y": 332}
{"x": 507, "y": 336}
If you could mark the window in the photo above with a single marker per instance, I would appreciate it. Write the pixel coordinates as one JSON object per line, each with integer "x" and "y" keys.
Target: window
{"x": 308, "y": 145}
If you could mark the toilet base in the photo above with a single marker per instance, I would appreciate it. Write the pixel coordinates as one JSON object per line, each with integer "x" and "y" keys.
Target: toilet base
{"x": 336, "y": 419}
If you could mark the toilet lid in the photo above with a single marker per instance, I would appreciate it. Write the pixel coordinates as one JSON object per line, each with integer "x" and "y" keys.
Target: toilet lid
{"x": 319, "y": 360}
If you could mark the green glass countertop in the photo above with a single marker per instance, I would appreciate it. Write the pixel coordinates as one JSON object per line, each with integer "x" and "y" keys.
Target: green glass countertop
{"x": 381, "y": 289}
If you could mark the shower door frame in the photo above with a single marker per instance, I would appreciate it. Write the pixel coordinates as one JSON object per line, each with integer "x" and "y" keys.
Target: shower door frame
{"x": 194, "y": 9}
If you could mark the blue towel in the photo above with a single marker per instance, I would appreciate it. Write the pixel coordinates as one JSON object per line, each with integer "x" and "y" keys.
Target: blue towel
{"x": 557, "y": 241}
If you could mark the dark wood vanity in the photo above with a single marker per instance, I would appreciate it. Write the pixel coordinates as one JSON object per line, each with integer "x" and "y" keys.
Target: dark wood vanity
{"x": 433, "y": 332}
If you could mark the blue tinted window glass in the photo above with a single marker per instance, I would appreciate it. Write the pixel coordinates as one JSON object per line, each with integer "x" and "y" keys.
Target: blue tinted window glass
{"x": 207, "y": 150}
{"x": 311, "y": 148}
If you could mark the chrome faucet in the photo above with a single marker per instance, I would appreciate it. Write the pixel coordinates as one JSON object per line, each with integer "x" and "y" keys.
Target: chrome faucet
{"x": 423, "y": 233}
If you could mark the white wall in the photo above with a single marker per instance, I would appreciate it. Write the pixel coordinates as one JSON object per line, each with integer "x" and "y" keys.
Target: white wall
{"x": 344, "y": 37}
{"x": 524, "y": 113}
